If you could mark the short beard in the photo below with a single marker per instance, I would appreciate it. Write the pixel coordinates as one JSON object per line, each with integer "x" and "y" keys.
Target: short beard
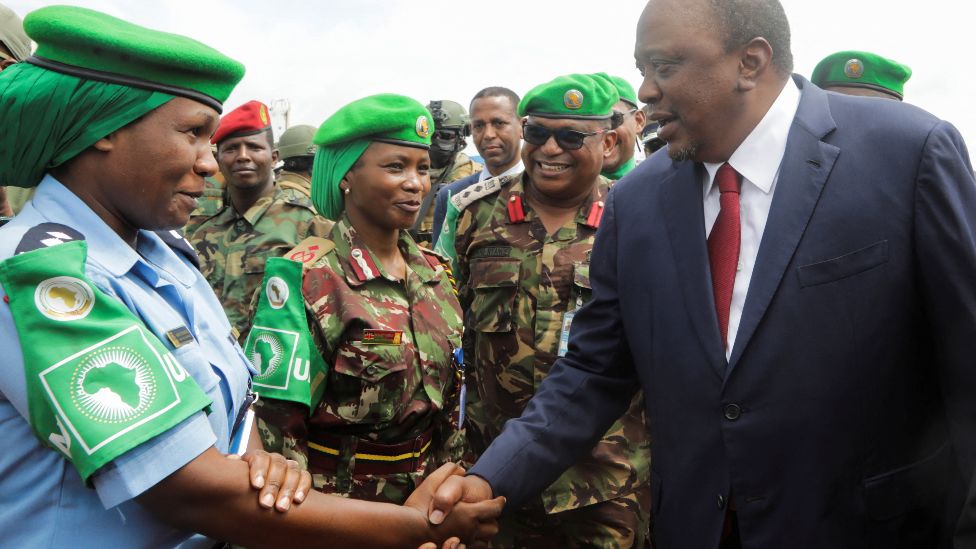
{"x": 686, "y": 153}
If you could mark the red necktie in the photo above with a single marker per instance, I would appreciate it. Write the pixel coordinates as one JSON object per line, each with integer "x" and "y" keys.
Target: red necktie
{"x": 723, "y": 245}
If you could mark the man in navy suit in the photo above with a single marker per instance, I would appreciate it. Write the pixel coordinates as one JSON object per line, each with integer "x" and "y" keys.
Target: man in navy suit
{"x": 793, "y": 285}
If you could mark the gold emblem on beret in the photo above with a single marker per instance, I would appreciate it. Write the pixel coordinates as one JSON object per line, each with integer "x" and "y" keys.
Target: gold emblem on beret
{"x": 423, "y": 126}
{"x": 854, "y": 68}
{"x": 263, "y": 113}
{"x": 573, "y": 99}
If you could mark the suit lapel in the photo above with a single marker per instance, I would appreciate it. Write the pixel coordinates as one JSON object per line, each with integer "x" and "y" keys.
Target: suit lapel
{"x": 684, "y": 215}
{"x": 802, "y": 175}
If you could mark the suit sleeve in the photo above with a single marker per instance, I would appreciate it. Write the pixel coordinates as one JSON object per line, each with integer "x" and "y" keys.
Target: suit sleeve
{"x": 945, "y": 233}
{"x": 584, "y": 393}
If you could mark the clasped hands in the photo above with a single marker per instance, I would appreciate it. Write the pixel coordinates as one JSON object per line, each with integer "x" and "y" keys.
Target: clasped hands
{"x": 453, "y": 506}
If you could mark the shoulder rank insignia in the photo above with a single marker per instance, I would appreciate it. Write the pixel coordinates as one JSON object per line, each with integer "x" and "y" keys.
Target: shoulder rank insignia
{"x": 310, "y": 250}
{"x": 46, "y": 235}
{"x": 175, "y": 240}
{"x": 479, "y": 190}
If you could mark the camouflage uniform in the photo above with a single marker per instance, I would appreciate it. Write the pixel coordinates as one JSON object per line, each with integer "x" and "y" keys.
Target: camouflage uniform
{"x": 233, "y": 247}
{"x": 213, "y": 196}
{"x": 296, "y": 181}
{"x": 517, "y": 283}
{"x": 385, "y": 394}
{"x": 461, "y": 166}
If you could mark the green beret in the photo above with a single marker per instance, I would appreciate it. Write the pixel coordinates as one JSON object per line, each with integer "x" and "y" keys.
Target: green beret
{"x": 582, "y": 96}
{"x": 384, "y": 117}
{"x": 624, "y": 89}
{"x": 95, "y": 46}
{"x": 864, "y": 70}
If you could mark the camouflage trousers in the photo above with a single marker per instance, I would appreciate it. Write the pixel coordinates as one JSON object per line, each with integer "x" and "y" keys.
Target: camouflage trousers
{"x": 619, "y": 523}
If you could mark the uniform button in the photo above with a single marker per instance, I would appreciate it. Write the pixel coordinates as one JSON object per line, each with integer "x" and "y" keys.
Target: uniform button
{"x": 721, "y": 501}
{"x": 732, "y": 412}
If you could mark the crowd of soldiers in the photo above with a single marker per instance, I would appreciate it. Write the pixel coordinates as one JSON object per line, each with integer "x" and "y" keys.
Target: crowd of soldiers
{"x": 382, "y": 347}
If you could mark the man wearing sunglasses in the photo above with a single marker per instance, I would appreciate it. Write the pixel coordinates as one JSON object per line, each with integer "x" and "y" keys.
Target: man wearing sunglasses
{"x": 522, "y": 244}
{"x": 630, "y": 121}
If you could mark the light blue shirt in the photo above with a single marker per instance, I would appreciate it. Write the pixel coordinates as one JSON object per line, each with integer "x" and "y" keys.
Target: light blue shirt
{"x": 45, "y": 503}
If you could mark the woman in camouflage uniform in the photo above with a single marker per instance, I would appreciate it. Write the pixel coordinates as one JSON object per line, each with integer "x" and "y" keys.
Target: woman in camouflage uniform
{"x": 382, "y": 314}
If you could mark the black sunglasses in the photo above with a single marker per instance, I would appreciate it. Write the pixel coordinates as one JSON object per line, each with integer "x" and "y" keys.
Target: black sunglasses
{"x": 568, "y": 140}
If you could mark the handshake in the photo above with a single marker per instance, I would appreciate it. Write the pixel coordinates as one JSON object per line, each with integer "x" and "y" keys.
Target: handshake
{"x": 458, "y": 508}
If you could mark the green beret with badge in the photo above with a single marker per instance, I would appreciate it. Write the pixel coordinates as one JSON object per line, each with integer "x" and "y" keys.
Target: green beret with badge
{"x": 91, "y": 75}
{"x": 344, "y": 136}
{"x": 861, "y": 69}
{"x": 581, "y": 96}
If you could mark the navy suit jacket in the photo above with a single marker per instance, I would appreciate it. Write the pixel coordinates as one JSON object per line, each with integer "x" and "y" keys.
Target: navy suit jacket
{"x": 846, "y": 416}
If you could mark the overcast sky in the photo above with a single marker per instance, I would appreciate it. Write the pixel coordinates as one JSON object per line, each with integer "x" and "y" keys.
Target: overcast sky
{"x": 320, "y": 55}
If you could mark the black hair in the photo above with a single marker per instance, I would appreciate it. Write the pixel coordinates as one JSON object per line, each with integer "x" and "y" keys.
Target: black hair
{"x": 496, "y": 91}
{"x": 743, "y": 20}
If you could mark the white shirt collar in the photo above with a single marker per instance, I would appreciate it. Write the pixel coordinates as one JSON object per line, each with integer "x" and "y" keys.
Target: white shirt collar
{"x": 517, "y": 168}
{"x": 758, "y": 157}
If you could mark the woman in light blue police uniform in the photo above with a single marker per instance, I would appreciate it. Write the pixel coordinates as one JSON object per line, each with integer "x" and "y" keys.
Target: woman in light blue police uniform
{"x": 112, "y": 122}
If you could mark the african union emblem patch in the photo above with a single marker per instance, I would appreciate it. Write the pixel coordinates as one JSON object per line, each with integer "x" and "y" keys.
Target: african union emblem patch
{"x": 573, "y": 99}
{"x": 113, "y": 389}
{"x": 64, "y": 298}
{"x": 277, "y": 291}
{"x": 423, "y": 126}
{"x": 854, "y": 68}
{"x": 274, "y": 353}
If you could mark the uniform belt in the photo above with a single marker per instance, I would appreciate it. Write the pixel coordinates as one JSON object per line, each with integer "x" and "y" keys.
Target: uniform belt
{"x": 369, "y": 458}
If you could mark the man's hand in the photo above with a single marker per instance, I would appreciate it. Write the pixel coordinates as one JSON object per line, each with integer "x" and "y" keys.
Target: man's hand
{"x": 279, "y": 480}
{"x": 454, "y": 489}
{"x": 471, "y": 521}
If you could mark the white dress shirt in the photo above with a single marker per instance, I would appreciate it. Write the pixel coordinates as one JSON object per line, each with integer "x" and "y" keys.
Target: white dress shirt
{"x": 757, "y": 159}
{"x": 517, "y": 168}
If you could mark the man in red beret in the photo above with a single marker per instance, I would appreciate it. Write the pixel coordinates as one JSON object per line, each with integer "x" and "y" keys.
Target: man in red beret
{"x": 257, "y": 219}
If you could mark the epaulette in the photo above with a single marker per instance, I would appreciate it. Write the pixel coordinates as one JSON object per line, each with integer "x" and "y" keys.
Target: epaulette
{"x": 479, "y": 190}
{"x": 435, "y": 260}
{"x": 310, "y": 250}
{"x": 46, "y": 235}
{"x": 179, "y": 244}
{"x": 286, "y": 184}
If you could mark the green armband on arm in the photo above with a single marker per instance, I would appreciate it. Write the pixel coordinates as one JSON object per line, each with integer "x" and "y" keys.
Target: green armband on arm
{"x": 280, "y": 345}
{"x": 99, "y": 383}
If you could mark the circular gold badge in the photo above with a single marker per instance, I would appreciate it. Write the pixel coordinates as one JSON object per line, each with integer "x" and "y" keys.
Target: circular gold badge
{"x": 277, "y": 292}
{"x": 263, "y": 113}
{"x": 423, "y": 126}
{"x": 573, "y": 99}
{"x": 64, "y": 298}
{"x": 854, "y": 68}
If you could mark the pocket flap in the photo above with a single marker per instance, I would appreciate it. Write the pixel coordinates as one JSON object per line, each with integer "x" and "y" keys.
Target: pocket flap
{"x": 844, "y": 266}
{"x": 370, "y": 363}
{"x": 581, "y": 275}
{"x": 900, "y": 490}
{"x": 495, "y": 273}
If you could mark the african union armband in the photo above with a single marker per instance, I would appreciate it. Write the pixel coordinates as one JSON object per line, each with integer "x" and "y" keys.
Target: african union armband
{"x": 99, "y": 383}
{"x": 280, "y": 344}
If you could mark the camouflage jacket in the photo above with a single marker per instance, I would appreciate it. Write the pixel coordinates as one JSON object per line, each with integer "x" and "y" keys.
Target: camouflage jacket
{"x": 517, "y": 284}
{"x": 213, "y": 196}
{"x": 386, "y": 393}
{"x": 462, "y": 166}
{"x": 296, "y": 181}
{"x": 233, "y": 247}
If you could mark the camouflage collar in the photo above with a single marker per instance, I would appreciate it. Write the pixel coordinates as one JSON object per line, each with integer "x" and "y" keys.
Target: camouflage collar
{"x": 589, "y": 214}
{"x": 360, "y": 266}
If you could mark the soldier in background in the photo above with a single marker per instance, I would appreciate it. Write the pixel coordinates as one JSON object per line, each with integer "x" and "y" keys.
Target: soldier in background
{"x": 296, "y": 151}
{"x": 14, "y": 47}
{"x": 257, "y": 219}
{"x": 862, "y": 73}
{"x": 630, "y": 121}
{"x": 523, "y": 245}
{"x": 447, "y": 162}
